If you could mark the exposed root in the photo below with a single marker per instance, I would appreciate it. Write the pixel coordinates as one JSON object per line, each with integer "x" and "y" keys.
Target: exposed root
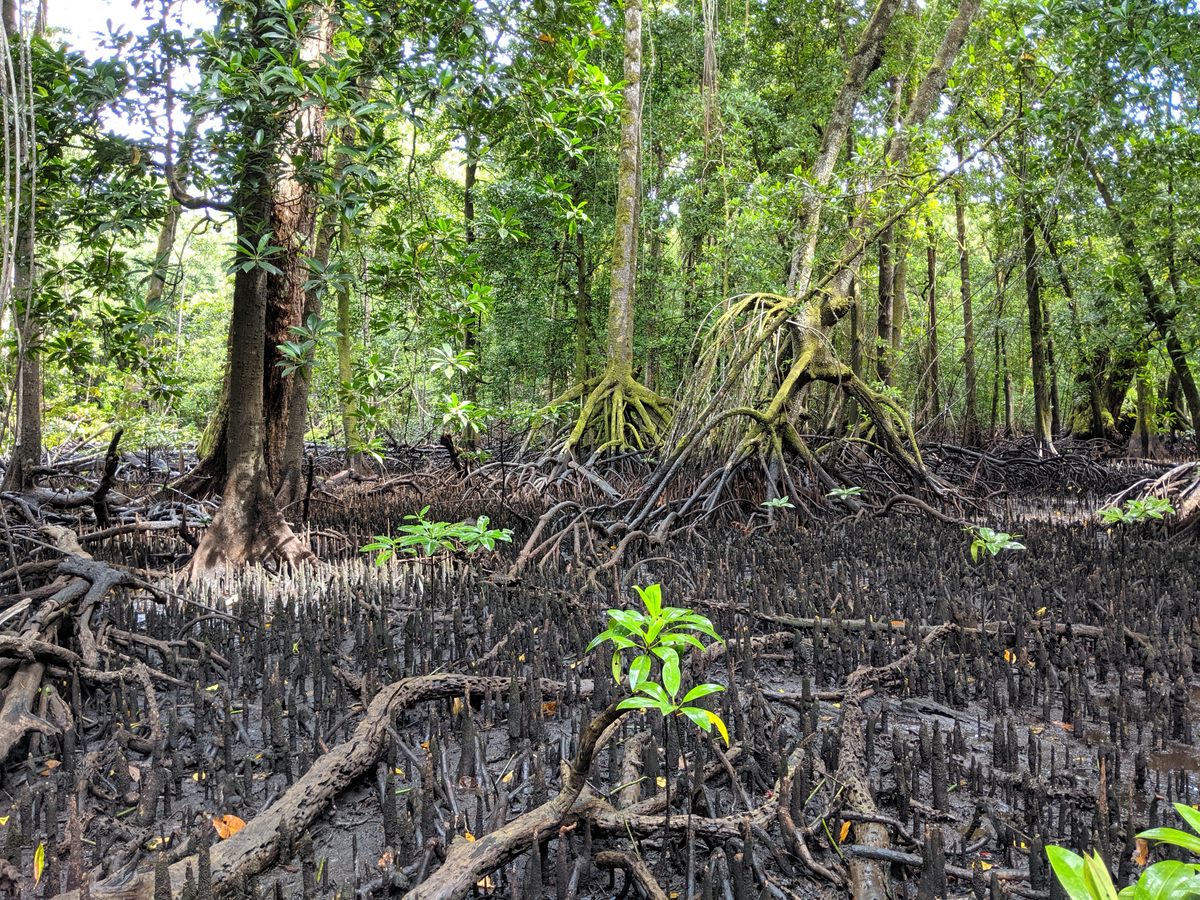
{"x": 617, "y": 412}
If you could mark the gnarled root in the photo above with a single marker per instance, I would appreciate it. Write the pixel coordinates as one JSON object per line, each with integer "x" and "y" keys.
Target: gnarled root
{"x": 617, "y": 412}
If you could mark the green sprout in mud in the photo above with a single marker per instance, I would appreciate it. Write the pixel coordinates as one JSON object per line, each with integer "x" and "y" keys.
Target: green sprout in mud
{"x": 421, "y": 537}
{"x": 1087, "y": 877}
{"x": 1135, "y": 512}
{"x": 990, "y": 542}
{"x": 666, "y": 634}
{"x": 845, "y": 493}
{"x": 783, "y": 502}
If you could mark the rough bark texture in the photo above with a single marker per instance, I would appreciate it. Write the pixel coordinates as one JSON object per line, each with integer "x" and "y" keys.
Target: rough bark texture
{"x": 971, "y": 413}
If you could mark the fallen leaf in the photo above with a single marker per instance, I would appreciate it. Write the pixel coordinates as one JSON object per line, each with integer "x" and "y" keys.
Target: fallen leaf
{"x": 213, "y": 687}
{"x": 660, "y": 781}
{"x": 39, "y": 862}
{"x": 398, "y": 772}
{"x": 1010, "y": 657}
{"x": 1141, "y": 852}
{"x": 470, "y": 838}
{"x": 898, "y": 623}
{"x": 845, "y": 831}
{"x": 154, "y": 843}
{"x": 3, "y": 820}
{"x": 984, "y": 864}
{"x": 549, "y": 708}
{"x": 135, "y": 774}
{"x": 1065, "y": 726}
{"x": 385, "y": 861}
{"x": 51, "y": 765}
{"x": 227, "y": 826}
{"x": 1041, "y": 612}
{"x": 506, "y": 778}
{"x": 456, "y": 706}
{"x": 485, "y": 883}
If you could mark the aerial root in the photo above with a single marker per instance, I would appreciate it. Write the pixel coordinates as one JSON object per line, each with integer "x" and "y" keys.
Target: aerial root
{"x": 617, "y": 412}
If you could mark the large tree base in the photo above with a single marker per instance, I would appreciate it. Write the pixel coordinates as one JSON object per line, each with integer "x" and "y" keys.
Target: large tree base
{"x": 248, "y": 529}
{"x": 617, "y": 412}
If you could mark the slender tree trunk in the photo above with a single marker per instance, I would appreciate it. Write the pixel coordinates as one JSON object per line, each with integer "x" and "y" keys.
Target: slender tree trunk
{"x": 887, "y": 303}
{"x": 1089, "y": 375}
{"x": 863, "y": 62}
{"x": 932, "y": 350}
{"x": 471, "y": 335}
{"x": 1042, "y": 434}
{"x": 971, "y": 415}
{"x": 583, "y": 324}
{"x": 27, "y": 389}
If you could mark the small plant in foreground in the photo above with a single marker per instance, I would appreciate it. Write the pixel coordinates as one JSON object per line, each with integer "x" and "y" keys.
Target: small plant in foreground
{"x": 1135, "y": 512}
{"x": 783, "y": 502}
{"x": 667, "y": 633}
{"x": 425, "y": 538}
{"x": 845, "y": 493}
{"x": 1088, "y": 878}
{"x": 991, "y": 542}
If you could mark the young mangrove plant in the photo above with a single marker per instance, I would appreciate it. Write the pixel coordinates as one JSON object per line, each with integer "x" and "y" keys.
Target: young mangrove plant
{"x": 990, "y": 542}
{"x": 1135, "y": 512}
{"x": 422, "y": 537}
{"x": 1088, "y": 878}
{"x": 666, "y": 634}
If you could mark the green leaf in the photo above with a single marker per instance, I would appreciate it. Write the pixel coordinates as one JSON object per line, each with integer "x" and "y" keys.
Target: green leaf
{"x": 655, "y": 690}
{"x": 702, "y": 690}
{"x": 670, "y": 669}
{"x": 1068, "y": 867}
{"x": 639, "y": 671}
{"x": 599, "y": 639}
{"x": 1168, "y": 880}
{"x": 616, "y": 666}
{"x": 638, "y": 703}
{"x": 698, "y": 717}
{"x": 1097, "y": 877}
{"x": 1189, "y": 815}
{"x": 652, "y": 598}
{"x": 1173, "y": 836}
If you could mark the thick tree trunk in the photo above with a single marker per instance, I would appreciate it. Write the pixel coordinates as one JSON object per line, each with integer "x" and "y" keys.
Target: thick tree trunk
{"x": 624, "y": 254}
{"x": 583, "y": 317}
{"x": 971, "y": 412}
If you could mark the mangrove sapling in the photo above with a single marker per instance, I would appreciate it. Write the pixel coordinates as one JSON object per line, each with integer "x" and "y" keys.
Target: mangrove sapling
{"x": 664, "y": 633}
{"x": 990, "y": 542}
{"x": 423, "y": 538}
{"x": 1088, "y": 878}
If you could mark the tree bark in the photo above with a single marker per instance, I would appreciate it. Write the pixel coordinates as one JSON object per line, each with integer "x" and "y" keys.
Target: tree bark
{"x": 932, "y": 351}
{"x": 971, "y": 413}
{"x": 1042, "y": 412}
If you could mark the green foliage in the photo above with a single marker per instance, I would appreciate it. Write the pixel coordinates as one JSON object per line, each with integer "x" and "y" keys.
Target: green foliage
{"x": 783, "y": 502}
{"x": 425, "y": 538}
{"x": 300, "y": 355}
{"x": 1135, "y": 512}
{"x": 990, "y": 542}
{"x": 661, "y": 638}
{"x": 845, "y": 493}
{"x": 1088, "y": 878}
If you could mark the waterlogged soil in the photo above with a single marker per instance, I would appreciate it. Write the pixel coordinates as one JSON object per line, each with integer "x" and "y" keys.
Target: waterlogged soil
{"x": 1061, "y": 709}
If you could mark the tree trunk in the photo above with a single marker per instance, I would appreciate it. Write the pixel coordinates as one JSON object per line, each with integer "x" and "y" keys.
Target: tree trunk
{"x": 887, "y": 300}
{"x": 583, "y": 325}
{"x": 1037, "y": 334}
{"x": 27, "y": 446}
{"x": 932, "y": 350}
{"x": 624, "y": 253}
{"x": 270, "y": 201}
{"x": 971, "y": 413}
